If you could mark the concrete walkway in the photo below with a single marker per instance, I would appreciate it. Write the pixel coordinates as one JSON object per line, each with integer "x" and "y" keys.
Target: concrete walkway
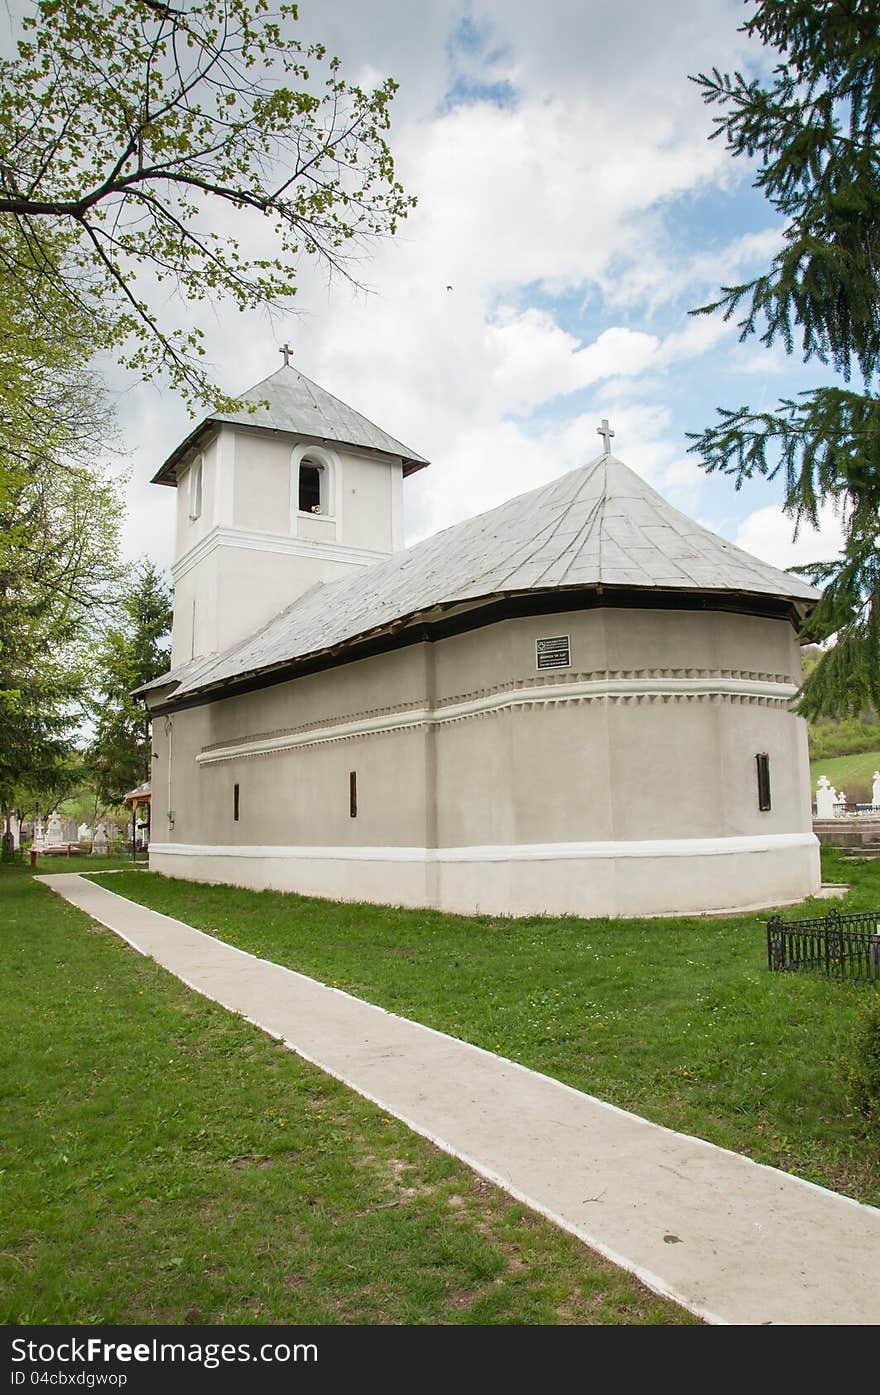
{"x": 729, "y": 1239}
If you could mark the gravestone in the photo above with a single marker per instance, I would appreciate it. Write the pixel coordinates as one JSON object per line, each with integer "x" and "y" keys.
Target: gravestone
{"x": 875, "y": 790}
{"x": 826, "y": 798}
{"x": 54, "y": 832}
{"x": 100, "y": 841}
{"x": 84, "y": 833}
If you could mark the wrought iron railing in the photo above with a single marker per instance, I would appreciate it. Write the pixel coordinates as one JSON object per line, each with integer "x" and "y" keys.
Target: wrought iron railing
{"x": 844, "y": 945}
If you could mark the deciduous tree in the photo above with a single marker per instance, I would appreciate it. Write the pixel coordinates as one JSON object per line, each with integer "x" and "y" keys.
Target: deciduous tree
{"x": 196, "y": 148}
{"x": 59, "y": 522}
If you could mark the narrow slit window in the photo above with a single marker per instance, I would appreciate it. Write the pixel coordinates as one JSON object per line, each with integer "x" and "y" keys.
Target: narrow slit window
{"x": 236, "y": 803}
{"x": 309, "y": 487}
{"x": 763, "y": 771}
{"x": 353, "y": 793}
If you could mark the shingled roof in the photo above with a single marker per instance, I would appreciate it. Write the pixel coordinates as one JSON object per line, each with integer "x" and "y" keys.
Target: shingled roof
{"x": 298, "y": 407}
{"x": 600, "y": 525}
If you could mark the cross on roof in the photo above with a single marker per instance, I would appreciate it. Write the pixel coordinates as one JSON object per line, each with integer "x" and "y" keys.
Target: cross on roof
{"x": 606, "y": 433}
{"x": 286, "y": 350}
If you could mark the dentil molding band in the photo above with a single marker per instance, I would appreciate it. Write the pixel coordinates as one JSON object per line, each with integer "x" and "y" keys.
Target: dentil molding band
{"x": 612, "y": 689}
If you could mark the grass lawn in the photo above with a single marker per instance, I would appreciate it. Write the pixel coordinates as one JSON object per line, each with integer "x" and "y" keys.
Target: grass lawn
{"x": 163, "y": 1161}
{"x": 678, "y": 1020}
{"x": 852, "y": 774}
{"x": 84, "y": 862}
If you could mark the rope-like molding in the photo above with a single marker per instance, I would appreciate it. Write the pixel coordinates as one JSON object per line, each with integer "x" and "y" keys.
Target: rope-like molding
{"x": 618, "y": 690}
{"x": 549, "y": 680}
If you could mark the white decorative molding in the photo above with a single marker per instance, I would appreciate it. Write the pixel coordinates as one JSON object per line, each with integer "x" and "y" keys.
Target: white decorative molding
{"x": 397, "y": 537}
{"x": 253, "y": 541}
{"x": 590, "y": 690}
{"x": 194, "y": 486}
{"x": 224, "y": 480}
{"x": 522, "y": 852}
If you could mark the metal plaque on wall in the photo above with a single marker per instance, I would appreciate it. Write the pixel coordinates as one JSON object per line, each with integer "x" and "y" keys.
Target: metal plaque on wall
{"x": 554, "y": 652}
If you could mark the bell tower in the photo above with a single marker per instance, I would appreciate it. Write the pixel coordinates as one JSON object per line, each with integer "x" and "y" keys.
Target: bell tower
{"x": 299, "y": 490}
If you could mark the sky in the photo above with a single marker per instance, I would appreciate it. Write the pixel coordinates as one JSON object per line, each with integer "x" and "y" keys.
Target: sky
{"x": 571, "y": 211}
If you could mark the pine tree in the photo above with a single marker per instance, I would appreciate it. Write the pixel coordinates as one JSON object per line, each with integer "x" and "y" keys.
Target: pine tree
{"x": 814, "y": 129}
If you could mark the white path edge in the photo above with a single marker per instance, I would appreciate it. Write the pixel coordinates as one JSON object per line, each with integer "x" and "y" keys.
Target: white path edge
{"x": 754, "y": 1244}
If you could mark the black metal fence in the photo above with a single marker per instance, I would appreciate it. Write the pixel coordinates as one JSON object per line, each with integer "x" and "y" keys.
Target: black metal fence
{"x": 844, "y": 945}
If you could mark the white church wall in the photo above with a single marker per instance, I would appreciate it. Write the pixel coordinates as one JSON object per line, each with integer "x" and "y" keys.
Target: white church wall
{"x": 359, "y": 504}
{"x": 191, "y": 530}
{"x": 601, "y": 879}
{"x": 708, "y": 641}
{"x": 481, "y": 783}
{"x": 367, "y": 505}
{"x": 196, "y": 629}
{"x": 386, "y": 682}
{"x": 626, "y": 878}
{"x": 262, "y": 482}
{"x": 236, "y": 581}
{"x": 319, "y": 530}
{"x": 250, "y": 551}
{"x": 303, "y": 797}
{"x": 561, "y": 773}
{"x": 759, "y": 727}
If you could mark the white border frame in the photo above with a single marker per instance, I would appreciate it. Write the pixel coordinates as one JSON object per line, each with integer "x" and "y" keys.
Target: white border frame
{"x": 552, "y": 668}
{"x": 331, "y": 488}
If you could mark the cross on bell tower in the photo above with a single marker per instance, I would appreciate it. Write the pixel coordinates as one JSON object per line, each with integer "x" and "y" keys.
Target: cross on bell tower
{"x": 606, "y": 433}
{"x": 286, "y": 350}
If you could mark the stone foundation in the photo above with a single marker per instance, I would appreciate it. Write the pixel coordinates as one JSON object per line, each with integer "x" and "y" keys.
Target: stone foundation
{"x": 848, "y": 832}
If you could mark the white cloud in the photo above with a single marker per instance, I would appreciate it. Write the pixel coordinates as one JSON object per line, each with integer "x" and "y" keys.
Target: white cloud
{"x": 530, "y": 359}
{"x": 697, "y": 336}
{"x": 761, "y": 360}
{"x": 665, "y": 271}
{"x": 563, "y": 194}
{"x": 768, "y": 533}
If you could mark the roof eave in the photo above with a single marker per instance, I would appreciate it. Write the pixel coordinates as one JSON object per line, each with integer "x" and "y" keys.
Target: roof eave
{"x": 167, "y": 473}
{"x": 414, "y": 620}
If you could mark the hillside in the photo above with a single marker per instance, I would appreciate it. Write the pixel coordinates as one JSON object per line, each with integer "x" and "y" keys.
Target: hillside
{"x": 853, "y": 773}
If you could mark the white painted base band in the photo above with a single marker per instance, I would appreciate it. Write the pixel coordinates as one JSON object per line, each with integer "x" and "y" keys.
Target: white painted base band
{"x": 649, "y": 877}
{"x": 496, "y": 852}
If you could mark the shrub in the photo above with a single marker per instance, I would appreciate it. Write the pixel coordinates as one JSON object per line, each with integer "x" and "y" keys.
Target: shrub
{"x": 864, "y": 1073}
{"x": 847, "y": 737}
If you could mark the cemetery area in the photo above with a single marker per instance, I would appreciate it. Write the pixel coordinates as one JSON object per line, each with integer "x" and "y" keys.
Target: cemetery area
{"x": 846, "y": 750}
{"x": 852, "y": 774}
{"x": 678, "y": 1020}
{"x": 165, "y": 1162}
{"x": 73, "y": 829}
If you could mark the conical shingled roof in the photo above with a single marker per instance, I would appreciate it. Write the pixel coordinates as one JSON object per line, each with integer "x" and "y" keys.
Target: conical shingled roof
{"x": 302, "y": 408}
{"x": 598, "y": 525}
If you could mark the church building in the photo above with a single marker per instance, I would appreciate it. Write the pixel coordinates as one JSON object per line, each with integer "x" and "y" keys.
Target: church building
{"x": 577, "y": 702}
